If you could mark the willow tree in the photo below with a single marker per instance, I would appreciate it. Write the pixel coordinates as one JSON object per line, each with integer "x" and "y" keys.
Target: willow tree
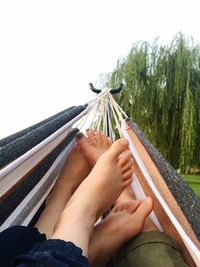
{"x": 162, "y": 95}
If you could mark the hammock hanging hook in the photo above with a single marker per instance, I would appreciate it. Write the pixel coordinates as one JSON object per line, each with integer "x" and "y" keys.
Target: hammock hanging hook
{"x": 112, "y": 91}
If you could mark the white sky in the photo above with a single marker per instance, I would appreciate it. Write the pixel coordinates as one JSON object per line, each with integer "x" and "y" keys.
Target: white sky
{"x": 51, "y": 50}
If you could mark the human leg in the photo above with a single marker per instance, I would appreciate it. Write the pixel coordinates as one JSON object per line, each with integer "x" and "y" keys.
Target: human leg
{"x": 74, "y": 171}
{"x": 124, "y": 222}
{"x": 19, "y": 239}
{"x": 94, "y": 196}
{"x": 150, "y": 248}
{"x": 75, "y": 225}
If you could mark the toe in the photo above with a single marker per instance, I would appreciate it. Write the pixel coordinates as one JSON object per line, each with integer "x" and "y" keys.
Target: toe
{"x": 127, "y": 175}
{"x": 91, "y": 136}
{"x": 75, "y": 148}
{"x": 118, "y": 148}
{"x": 120, "y": 206}
{"x": 82, "y": 141}
{"x": 109, "y": 141}
{"x": 125, "y": 158}
{"x": 104, "y": 139}
{"x": 144, "y": 208}
{"x": 127, "y": 166}
{"x": 127, "y": 182}
{"x": 98, "y": 138}
{"x": 133, "y": 205}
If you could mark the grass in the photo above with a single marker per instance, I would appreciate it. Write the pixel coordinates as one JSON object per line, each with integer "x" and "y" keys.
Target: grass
{"x": 193, "y": 181}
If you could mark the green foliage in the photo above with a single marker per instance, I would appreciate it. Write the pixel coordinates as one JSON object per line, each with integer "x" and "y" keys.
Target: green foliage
{"x": 162, "y": 95}
{"x": 193, "y": 181}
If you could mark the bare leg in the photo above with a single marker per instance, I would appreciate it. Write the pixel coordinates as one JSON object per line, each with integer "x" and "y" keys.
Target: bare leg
{"x": 110, "y": 234}
{"x": 125, "y": 221}
{"x": 75, "y": 169}
{"x": 72, "y": 174}
{"x": 150, "y": 248}
{"x": 96, "y": 193}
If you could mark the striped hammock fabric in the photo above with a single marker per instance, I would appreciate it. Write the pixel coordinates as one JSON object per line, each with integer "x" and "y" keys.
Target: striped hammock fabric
{"x": 31, "y": 160}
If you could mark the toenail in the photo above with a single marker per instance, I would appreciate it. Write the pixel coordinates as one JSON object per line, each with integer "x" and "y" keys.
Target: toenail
{"x": 79, "y": 135}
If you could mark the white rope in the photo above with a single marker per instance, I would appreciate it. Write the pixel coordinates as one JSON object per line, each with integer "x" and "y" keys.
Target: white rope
{"x": 104, "y": 92}
{"x": 82, "y": 121}
{"x": 16, "y": 170}
{"x": 13, "y": 165}
{"x": 104, "y": 116}
{"x": 98, "y": 114}
{"x": 99, "y": 123}
{"x": 93, "y": 115}
{"x": 139, "y": 194}
{"x": 109, "y": 107}
{"x": 194, "y": 251}
{"x": 118, "y": 106}
{"x": 26, "y": 210}
{"x": 110, "y": 127}
{"x": 116, "y": 120}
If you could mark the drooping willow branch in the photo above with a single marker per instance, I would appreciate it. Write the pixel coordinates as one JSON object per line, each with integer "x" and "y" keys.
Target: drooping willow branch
{"x": 162, "y": 95}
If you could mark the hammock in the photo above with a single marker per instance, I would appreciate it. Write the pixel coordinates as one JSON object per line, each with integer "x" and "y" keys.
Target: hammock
{"x": 30, "y": 162}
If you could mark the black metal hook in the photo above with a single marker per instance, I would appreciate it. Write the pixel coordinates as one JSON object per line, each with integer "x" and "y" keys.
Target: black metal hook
{"x": 113, "y": 91}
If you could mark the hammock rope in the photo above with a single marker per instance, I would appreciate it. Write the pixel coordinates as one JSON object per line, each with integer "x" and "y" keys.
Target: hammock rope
{"x": 102, "y": 114}
{"x": 187, "y": 241}
{"x": 107, "y": 107}
{"x": 13, "y": 172}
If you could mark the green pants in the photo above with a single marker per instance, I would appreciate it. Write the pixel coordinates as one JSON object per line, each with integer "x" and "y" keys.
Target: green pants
{"x": 150, "y": 249}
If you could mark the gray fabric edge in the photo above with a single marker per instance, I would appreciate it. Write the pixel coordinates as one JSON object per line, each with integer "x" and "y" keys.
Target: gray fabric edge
{"x": 188, "y": 201}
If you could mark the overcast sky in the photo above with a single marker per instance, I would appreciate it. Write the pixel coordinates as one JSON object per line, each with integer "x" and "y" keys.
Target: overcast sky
{"x": 51, "y": 50}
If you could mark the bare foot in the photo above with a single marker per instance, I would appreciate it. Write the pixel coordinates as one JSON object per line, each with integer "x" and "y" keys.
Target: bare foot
{"x": 96, "y": 193}
{"x": 94, "y": 145}
{"x": 125, "y": 221}
{"x": 112, "y": 170}
{"x": 128, "y": 195}
{"x": 74, "y": 171}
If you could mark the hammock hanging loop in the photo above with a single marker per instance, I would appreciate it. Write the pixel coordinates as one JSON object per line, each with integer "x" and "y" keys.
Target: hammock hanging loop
{"x": 112, "y": 91}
